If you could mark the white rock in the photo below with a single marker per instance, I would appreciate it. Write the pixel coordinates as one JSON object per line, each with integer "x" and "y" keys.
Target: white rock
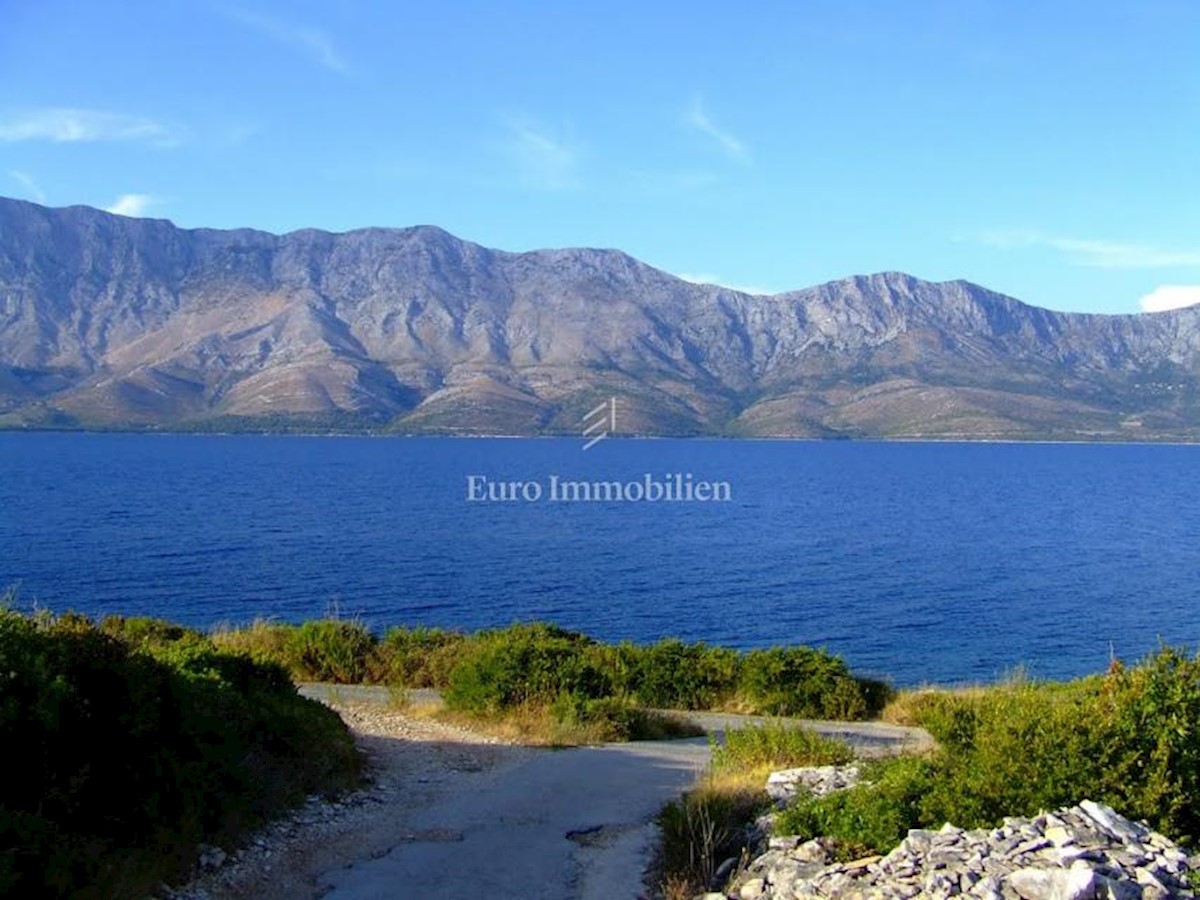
{"x": 1054, "y": 884}
{"x": 1118, "y": 826}
{"x": 752, "y": 889}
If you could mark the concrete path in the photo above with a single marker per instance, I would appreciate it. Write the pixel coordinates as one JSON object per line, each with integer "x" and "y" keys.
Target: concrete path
{"x": 571, "y": 824}
{"x": 867, "y": 738}
{"x": 565, "y": 824}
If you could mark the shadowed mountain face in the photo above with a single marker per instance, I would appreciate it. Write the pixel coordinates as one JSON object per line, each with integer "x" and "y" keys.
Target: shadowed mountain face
{"x": 108, "y": 321}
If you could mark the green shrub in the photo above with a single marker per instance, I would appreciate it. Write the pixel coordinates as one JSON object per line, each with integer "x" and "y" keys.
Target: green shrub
{"x": 503, "y": 668}
{"x": 522, "y": 665}
{"x": 1149, "y": 720}
{"x": 776, "y": 745}
{"x": 136, "y": 741}
{"x": 1127, "y": 739}
{"x": 331, "y": 650}
{"x": 809, "y": 683}
{"x": 873, "y": 816}
{"x": 419, "y": 657}
{"x": 673, "y": 675}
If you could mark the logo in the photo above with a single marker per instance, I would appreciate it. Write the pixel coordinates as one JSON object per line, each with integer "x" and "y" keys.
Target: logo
{"x": 600, "y": 423}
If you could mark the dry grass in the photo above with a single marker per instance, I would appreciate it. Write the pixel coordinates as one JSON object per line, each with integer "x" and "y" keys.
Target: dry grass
{"x": 261, "y": 640}
{"x": 908, "y": 706}
{"x": 705, "y": 828}
{"x": 711, "y": 823}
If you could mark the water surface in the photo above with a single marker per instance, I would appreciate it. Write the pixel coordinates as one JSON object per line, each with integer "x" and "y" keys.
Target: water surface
{"x": 923, "y": 562}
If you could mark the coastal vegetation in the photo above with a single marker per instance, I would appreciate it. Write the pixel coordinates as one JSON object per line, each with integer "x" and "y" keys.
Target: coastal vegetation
{"x": 132, "y": 742}
{"x": 1129, "y": 738}
{"x": 580, "y": 688}
{"x": 138, "y": 740}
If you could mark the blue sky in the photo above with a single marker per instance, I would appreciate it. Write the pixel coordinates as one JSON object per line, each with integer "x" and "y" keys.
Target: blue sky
{"x": 1050, "y": 151}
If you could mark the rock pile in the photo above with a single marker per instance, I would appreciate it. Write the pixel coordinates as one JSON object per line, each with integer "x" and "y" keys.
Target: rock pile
{"x": 816, "y": 780}
{"x": 1086, "y": 852}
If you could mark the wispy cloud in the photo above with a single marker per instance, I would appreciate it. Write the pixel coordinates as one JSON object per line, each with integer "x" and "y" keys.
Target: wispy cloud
{"x": 697, "y": 118}
{"x": 32, "y": 188}
{"x": 544, "y": 160}
{"x": 1095, "y": 254}
{"x": 133, "y": 205}
{"x": 61, "y": 125}
{"x": 1170, "y": 296}
{"x": 707, "y": 278}
{"x": 312, "y": 42}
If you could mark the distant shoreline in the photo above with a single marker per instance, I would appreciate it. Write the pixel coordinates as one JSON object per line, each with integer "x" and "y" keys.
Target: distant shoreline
{"x": 709, "y": 438}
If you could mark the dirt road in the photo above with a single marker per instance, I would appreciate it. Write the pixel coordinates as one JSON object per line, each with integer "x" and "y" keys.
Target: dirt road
{"x": 453, "y": 814}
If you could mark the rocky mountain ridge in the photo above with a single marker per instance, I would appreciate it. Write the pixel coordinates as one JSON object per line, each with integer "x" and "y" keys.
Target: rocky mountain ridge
{"x": 107, "y": 321}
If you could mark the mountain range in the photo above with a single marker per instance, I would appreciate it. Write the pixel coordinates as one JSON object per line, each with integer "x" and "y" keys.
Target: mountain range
{"x": 115, "y": 322}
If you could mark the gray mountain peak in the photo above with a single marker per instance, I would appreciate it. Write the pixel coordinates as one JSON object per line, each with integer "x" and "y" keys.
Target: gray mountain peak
{"x": 108, "y": 321}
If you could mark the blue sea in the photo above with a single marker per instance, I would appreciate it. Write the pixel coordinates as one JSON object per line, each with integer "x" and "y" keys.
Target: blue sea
{"x": 919, "y": 562}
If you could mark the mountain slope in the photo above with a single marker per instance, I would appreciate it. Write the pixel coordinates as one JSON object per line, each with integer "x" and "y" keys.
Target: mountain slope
{"x": 108, "y": 321}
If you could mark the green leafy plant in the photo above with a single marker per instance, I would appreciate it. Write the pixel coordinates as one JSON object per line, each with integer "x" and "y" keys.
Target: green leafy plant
{"x": 137, "y": 740}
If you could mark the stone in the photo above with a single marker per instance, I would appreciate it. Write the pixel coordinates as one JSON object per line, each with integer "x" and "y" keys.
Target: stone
{"x": 1108, "y": 889}
{"x": 1054, "y": 884}
{"x": 1068, "y": 854}
{"x": 813, "y": 851}
{"x": 723, "y": 871}
{"x": 787, "y": 872}
{"x": 1119, "y": 827}
{"x": 783, "y": 786}
{"x": 1059, "y": 835}
{"x": 784, "y": 842}
{"x": 752, "y": 889}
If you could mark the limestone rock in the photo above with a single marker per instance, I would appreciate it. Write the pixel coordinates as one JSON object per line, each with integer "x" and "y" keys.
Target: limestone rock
{"x": 1086, "y": 852}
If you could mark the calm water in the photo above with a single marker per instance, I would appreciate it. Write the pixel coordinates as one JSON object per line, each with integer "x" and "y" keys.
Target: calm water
{"x": 923, "y": 562}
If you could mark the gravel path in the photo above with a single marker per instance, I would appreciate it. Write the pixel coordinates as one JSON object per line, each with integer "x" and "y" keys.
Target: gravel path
{"x": 414, "y": 764}
{"x": 454, "y": 814}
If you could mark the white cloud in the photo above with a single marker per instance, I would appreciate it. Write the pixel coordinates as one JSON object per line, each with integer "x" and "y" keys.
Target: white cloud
{"x": 708, "y": 278}
{"x": 312, "y": 42}
{"x": 31, "y": 187}
{"x": 1170, "y": 296}
{"x": 61, "y": 125}
{"x": 133, "y": 205}
{"x": 696, "y": 117}
{"x": 544, "y": 160}
{"x": 1095, "y": 254}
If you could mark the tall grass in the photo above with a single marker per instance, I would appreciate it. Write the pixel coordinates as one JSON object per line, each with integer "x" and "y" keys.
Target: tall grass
{"x": 775, "y": 745}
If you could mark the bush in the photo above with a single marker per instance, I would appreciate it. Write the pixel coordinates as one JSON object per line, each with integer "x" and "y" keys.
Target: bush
{"x": 871, "y": 817}
{"x": 1127, "y": 739}
{"x": 262, "y": 641}
{"x": 1150, "y": 749}
{"x": 419, "y": 657}
{"x": 138, "y": 740}
{"x": 808, "y": 683}
{"x": 535, "y": 663}
{"x": 673, "y": 675}
{"x": 331, "y": 650}
{"x": 523, "y": 665}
